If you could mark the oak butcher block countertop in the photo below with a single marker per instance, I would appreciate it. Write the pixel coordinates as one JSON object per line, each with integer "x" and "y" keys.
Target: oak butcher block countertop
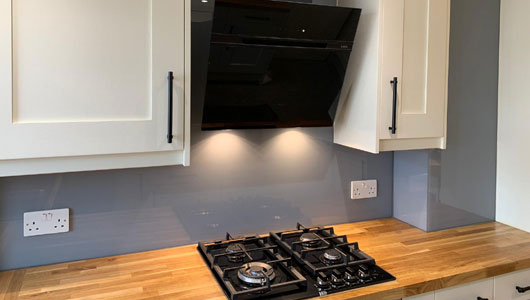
{"x": 421, "y": 262}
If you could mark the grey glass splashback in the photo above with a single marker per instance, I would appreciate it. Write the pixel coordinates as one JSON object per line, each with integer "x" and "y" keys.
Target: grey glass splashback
{"x": 436, "y": 189}
{"x": 239, "y": 181}
{"x": 249, "y": 182}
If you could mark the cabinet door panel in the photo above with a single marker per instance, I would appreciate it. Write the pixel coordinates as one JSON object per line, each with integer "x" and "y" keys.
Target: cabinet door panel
{"x": 469, "y": 291}
{"x": 89, "y": 77}
{"x": 415, "y": 47}
{"x": 424, "y": 80}
{"x": 63, "y": 73}
{"x": 505, "y": 286}
{"x": 391, "y": 61}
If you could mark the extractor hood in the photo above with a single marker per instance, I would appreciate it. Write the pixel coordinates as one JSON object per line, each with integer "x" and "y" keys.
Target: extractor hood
{"x": 276, "y": 64}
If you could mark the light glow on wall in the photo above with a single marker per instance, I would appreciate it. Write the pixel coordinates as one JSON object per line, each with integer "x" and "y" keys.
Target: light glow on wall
{"x": 285, "y": 152}
{"x": 291, "y": 151}
{"x": 225, "y": 148}
{"x": 290, "y": 144}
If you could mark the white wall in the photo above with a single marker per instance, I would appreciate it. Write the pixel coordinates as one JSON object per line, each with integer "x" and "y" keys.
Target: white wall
{"x": 513, "y": 147}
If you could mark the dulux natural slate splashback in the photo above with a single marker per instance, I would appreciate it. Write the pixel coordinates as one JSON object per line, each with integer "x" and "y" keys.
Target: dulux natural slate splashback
{"x": 244, "y": 182}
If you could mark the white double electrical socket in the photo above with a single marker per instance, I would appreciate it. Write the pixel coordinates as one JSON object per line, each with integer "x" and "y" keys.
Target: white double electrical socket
{"x": 46, "y": 222}
{"x": 363, "y": 189}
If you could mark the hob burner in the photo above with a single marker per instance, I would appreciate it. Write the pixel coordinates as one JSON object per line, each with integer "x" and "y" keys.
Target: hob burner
{"x": 310, "y": 240}
{"x": 236, "y": 252}
{"x": 332, "y": 256}
{"x": 256, "y": 273}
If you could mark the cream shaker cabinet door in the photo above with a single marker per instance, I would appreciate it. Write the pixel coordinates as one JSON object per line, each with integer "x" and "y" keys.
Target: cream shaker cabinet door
{"x": 415, "y": 53}
{"x": 513, "y": 286}
{"x": 471, "y": 291}
{"x": 81, "y": 78}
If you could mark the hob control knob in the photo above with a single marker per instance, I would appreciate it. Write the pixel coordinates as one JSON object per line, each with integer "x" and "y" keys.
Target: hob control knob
{"x": 349, "y": 277}
{"x": 336, "y": 278}
{"x": 322, "y": 282}
{"x": 363, "y": 272}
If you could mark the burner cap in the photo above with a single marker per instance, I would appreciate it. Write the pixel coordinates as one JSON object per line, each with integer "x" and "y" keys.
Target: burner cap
{"x": 235, "y": 248}
{"x": 332, "y": 255}
{"x": 255, "y": 273}
{"x": 310, "y": 240}
{"x": 235, "y": 252}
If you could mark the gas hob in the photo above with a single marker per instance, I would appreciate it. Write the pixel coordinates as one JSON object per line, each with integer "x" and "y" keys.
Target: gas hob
{"x": 297, "y": 264}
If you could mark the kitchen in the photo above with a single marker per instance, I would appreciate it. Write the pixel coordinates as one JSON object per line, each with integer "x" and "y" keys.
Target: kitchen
{"x": 129, "y": 191}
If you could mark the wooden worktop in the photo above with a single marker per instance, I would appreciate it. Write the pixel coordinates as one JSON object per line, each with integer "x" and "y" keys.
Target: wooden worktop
{"x": 421, "y": 262}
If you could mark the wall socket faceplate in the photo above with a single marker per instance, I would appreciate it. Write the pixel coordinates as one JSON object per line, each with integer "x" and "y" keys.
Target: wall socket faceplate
{"x": 363, "y": 189}
{"x": 46, "y": 222}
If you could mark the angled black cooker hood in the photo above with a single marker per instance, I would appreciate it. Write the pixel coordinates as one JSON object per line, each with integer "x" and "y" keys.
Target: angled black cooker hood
{"x": 276, "y": 64}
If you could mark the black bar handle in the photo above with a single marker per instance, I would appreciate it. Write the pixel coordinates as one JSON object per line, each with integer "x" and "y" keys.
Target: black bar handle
{"x": 394, "y": 83}
{"x": 170, "y": 108}
{"x": 522, "y": 290}
{"x": 480, "y": 298}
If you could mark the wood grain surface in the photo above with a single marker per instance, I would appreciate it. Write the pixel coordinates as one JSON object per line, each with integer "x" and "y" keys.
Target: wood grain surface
{"x": 421, "y": 262}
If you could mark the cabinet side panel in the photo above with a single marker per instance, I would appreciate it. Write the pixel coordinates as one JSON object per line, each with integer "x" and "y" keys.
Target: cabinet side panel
{"x": 187, "y": 85}
{"x": 356, "y": 121}
{"x": 5, "y": 63}
{"x": 513, "y": 140}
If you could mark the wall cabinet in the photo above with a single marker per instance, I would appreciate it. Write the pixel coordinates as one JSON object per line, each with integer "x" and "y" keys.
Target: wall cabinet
{"x": 84, "y": 84}
{"x": 395, "y": 91}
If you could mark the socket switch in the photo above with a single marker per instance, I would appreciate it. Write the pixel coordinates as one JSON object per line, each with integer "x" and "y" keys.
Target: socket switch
{"x": 46, "y": 222}
{"x": 363, "y": 189}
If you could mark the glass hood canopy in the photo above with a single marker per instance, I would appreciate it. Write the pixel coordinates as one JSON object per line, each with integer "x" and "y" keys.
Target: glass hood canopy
{"x": 276, "y": 64}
